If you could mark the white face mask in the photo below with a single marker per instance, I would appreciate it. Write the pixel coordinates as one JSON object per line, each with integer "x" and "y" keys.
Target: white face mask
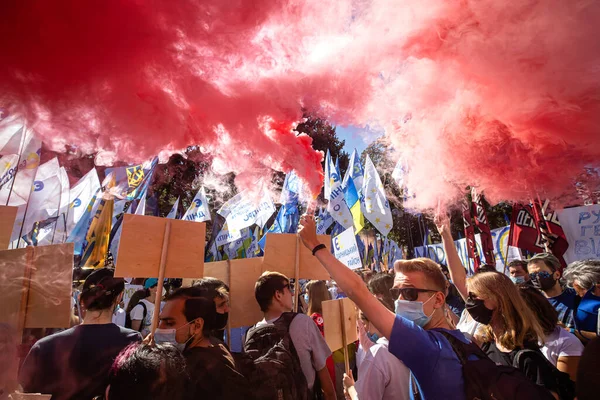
{"x": 169, "y": 336}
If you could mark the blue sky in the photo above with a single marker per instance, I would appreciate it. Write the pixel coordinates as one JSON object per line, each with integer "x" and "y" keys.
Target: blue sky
{"x": 356, "y": 137}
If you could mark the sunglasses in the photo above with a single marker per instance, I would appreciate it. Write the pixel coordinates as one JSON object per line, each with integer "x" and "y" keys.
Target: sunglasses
{"x": 410, "y": 294}
{"x": 289, "y": 286}
{"x": 541, "y": 274}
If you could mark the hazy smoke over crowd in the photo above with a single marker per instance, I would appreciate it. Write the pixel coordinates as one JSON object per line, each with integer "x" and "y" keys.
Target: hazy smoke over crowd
{"x": 502, "y": 95}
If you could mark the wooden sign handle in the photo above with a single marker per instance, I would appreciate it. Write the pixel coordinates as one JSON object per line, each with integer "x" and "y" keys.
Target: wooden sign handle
{"x": 229, "y": 319}
{"x": 297, "y": 275}
{"x": 161, "y": 277}
{"x": 25, "y": 294}
{"x": 344, "y": 339}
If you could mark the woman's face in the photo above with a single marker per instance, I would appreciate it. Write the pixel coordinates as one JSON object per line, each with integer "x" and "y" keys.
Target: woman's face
{"x": 488, "y": 301}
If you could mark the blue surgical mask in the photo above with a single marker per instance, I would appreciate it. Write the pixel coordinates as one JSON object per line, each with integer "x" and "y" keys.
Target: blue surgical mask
{"x": 413, "y": 311}
{"x": 169, "y": 336}
{"x": 517, "y": 279}
{"x": 373, "y": 337}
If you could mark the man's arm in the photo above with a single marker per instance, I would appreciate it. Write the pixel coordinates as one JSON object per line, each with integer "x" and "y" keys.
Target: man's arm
{"x": 348, "y": 281}
{"x": 455, "y": 266}
{"x": 326, "y": 384}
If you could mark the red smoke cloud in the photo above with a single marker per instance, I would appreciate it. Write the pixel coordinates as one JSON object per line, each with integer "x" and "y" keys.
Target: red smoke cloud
{"x": 502, "y": 95}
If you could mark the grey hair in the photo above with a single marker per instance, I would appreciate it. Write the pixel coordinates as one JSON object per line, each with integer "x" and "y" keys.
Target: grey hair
{"x": 547, "y": 258}
{"x": 585, "y": 272}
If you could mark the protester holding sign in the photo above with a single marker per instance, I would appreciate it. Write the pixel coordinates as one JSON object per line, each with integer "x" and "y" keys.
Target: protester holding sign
{"x": 186, "y": 322}
{"x": 74, "y": 364}
{"x": 544, "y": 270}
{"x": 415, "y": 331}
{"x": 584, "y": 277}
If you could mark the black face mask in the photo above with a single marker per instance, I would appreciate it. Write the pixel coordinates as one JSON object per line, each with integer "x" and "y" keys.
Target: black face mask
{"x": 479, "y": 311}
{"x": 221, "y": 321}
{"x": 543, "y": 283}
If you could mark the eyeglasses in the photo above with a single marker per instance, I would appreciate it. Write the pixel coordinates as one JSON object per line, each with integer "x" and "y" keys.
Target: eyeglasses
{"x": 541, "y": 274}
{"x": 410, "y": 294}
{"x": 289, "y": 286}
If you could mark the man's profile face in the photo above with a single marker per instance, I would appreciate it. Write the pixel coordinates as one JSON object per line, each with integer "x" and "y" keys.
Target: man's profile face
{"x": 172, "y": 317}
{"x": 222, "y": 304}
{"x": 517, "y": 270}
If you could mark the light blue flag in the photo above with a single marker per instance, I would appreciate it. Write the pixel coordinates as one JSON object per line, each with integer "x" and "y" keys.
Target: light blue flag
{"x": 324, "y": 221}
{"x": 337, "y": 205}
{"x": 327, "y": 184}
{"x": 198, "y": 210}
{"x": 274, "y": 228}
{"x": 79, "y": 233}
{"x": 292, "y": 186}
{"x": 355, "y": 171}
{"x": 173, "y": 213}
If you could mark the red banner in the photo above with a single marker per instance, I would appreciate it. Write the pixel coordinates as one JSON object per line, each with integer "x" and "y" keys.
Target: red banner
{"x": 481, "y": 220}
{"x": 524, "y": 232}
{"x": 551, "y": 231}
{"x": 470, "y": 235}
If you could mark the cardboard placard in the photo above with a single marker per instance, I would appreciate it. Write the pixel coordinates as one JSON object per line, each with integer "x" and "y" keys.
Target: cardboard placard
{"x": 332, "y": 322}
{"x": 244, "y": 310}
{"x": 8, "y": 215}
{"x": 280, "y": 256}
{"x": 30, "y": 396}
{"x": 46, "y": 296}
{"x": 142, "y": 242}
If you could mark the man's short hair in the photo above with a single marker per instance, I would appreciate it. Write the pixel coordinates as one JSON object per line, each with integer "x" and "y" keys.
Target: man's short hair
{"x": 196, "y": 306}
{"x": 142, "y": 371}
{"x": 212, "y": 287}
{"x": 427, "y": 267}
{"x": 518, "y": 263}
{"x": 266, "y": 286}
{"x": 547, "y": 258}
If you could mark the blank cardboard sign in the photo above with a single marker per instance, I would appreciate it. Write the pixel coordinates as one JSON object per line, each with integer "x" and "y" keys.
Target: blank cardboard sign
{"x": 47, "y": 295}
{"x": 244, "y": 310}
{"x": 8, "y": 215}
{"x": 30, "y": 396}
{"x": 332, "y": 321}
{"x": 142, "y": 241}
{"x": 280, "y": 256}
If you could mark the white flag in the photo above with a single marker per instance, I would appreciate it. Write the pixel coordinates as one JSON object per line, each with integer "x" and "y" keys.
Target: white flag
{"x": 173, "y": 213}
{"x": 44, "y": 201}
{"x": 141, "y": 207}
{"x": 60, "y": 227}
{"x": 198, "y": 210}
{"x": 80, "y": 196}
{"x": 337, "y": 206}
{"x": 326, "y": 173}
{"x": 346, "y": 249}
{"x": 376, "y": 207}
{"x": 240, "y": 211}
{"x": 226, "y": 236}
{"x": 355, "y": 171}
{"x": 11, "y": 136}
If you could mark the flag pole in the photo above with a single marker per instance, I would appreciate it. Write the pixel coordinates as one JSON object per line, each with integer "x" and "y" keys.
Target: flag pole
{"x": 229, "y": 319}
{"x": 22, "y": 147}
{"x": 344, "y": 339}
{"x": 297, "y": 274}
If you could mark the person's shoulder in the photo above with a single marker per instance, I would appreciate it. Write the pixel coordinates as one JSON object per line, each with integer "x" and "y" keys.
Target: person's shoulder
{"x": 442, "y": 332}
{"x": 55, "y": 338}
{"x": 129, "y": 333}
{"x": 148, "y": 303}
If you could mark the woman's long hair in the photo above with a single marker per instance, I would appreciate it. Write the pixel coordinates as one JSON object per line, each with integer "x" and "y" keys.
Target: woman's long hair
{"x": 520, "y": 324}
{"x": 317, "y": 294}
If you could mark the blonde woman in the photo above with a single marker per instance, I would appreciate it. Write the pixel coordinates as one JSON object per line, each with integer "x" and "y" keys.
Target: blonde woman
{"x": 509, "y": 326}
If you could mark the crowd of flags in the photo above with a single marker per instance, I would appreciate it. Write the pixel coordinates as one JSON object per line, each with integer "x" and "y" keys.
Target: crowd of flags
{"x": 90, "y": 213}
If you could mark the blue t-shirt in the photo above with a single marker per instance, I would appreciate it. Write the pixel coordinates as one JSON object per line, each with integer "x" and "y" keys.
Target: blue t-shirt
{"x": 564, "y": 304}
{"x": 430, "y": 357}
{"x": 586, "y": 317}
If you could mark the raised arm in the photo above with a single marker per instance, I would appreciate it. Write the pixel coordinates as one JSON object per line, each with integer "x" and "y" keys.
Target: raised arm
{"x": 348, "y": 281}
{"x": 457, "y": 269}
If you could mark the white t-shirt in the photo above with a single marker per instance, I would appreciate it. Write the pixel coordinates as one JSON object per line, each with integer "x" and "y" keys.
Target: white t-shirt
{"x": 561, "y": 343}
{"x": 382, "y": 376}
{"x": 118, "y": 317}
{"x": 309, "y": 344}
{"x": 467, "y": 325}
{"x": 138, "y": 313}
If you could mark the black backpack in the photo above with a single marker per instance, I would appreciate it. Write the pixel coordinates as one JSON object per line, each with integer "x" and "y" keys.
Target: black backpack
{"x": 484, "y": 380}
{"x": 128, "y": 316}
{"x": 275, "y": 372}
{"x": 564, "y": 384}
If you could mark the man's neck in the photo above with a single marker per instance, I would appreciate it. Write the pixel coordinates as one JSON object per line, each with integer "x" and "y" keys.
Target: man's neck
{"x": 273, "y": 314}
{"x": 554, "y": 291}
{"x": 438, "y": 321}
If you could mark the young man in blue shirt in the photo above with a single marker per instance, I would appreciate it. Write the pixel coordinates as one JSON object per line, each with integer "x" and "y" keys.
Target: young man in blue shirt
{"x": 413, "y": 331}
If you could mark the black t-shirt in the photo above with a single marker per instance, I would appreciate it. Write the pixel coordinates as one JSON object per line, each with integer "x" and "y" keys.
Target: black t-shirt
{"x": 74, "y": 364}
{"x": 213, "y": 374}
{"x": 538, "y": 371}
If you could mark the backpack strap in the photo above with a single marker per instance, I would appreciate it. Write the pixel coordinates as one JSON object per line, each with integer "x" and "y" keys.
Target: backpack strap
{"x": 143, "y": 315}
{"x": 462, "y": 350}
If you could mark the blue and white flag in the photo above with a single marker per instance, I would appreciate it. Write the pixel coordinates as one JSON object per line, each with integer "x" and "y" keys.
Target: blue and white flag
{"x": 324, "y": 221}
{"x": 80, "y": 196}
{"x": 198, "y": 210}
{"x": 253, "y": 249}
{"x": 292, "y": 186}
{"x": 355, "y": 171}
{"x": 337, "y": 206}
{"x": 241, "y": 212}
{"x": 327, "y": 184}
{"x": 376, "y": 207}
{"x": 173, "y": 213}
{"x": 226, "y": 235}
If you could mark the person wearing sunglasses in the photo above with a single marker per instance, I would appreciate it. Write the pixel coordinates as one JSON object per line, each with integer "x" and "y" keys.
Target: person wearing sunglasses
{"x": 544, "y": 272}
{"x": 414, "y": 330}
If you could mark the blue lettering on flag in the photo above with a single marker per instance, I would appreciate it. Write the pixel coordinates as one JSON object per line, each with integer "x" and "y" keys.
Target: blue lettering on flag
{"x": 38, "y": 185}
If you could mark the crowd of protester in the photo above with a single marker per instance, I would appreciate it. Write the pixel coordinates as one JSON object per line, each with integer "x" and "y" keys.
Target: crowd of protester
{"x": 426, "y": 331}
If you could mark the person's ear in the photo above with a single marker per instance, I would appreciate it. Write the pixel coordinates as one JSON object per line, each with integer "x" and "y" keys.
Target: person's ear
{"x": 440, "y": 300}
{"x": 198, "y": 325}
{"x": 556, "y": 275}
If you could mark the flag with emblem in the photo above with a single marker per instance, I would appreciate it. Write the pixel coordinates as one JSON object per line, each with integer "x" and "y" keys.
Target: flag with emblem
{"x": 173, "y": 213}
{"x": 242, "y": 211}
{"x": 324, "y": 220}
{"x": 355, "y": 171}
{"x": 198, "y": 210}
{"x": 11, "y": 136}
{"x": 337, "y": 206}
{"x": 481, "y": 220}
{"x": 376, "y": 207}
{"x": 80, "y": 196}
{"x": 353, "y": 201}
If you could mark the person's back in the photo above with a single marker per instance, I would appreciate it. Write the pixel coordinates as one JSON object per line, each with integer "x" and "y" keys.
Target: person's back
{"x": 74, "y": 364}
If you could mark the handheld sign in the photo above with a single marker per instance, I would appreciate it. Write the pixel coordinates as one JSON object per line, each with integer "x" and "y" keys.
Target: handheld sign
{"x": 8, "y": 215}
{"x": 346, "y": 249}
{"x": 30, "y": 396}
{"x": 339, "y": 321}
{"x": 280, "y": 256}
{"x": 35, "y": 291}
